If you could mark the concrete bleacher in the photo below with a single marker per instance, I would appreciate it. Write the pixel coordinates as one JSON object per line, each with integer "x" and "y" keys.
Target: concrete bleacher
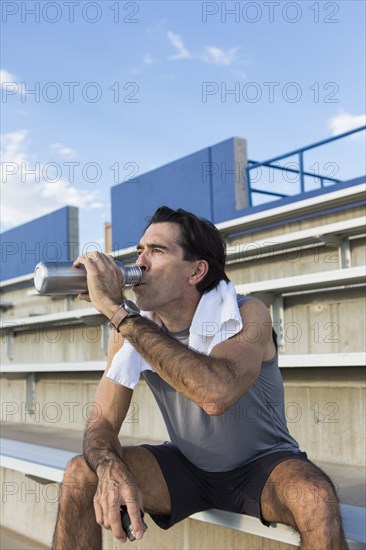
{"x": 306, "y": 260}
{"x": 46, "y": 465}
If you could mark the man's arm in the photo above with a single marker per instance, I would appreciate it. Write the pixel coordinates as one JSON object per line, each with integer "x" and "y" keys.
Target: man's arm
{"x": 104, "y": 454}
{"x": 214, "y": 382}
{"x": 111, "y": 404}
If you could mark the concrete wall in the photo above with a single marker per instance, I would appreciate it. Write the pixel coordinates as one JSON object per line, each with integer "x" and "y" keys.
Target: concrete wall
{"x": 33, "y": 506}
{"x": 325, "y": 407}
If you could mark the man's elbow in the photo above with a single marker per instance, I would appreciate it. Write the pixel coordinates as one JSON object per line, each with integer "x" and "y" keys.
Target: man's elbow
{"x": 218, "y": 404}
{"x": 221, "y": 400}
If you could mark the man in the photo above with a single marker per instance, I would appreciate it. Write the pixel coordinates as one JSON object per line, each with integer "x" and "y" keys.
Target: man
{"x": 221, "y": 398}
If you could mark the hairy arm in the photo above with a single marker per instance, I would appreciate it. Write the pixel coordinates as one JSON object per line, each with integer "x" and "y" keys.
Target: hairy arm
{"x": 104, "y": 454}
{"x": 111, "y": 404}
{"x": 214, "y": 382}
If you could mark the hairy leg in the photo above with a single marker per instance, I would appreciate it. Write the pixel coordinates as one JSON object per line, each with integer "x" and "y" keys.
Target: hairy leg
{"x": 76, "y": 526}
{"x": 301, "y": 495}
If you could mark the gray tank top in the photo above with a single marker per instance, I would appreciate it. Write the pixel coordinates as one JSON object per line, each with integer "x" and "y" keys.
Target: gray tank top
{"x": 254, "y": 426}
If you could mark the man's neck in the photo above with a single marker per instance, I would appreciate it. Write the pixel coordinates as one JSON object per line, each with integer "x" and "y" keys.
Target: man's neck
{"x": 180, "y": 317}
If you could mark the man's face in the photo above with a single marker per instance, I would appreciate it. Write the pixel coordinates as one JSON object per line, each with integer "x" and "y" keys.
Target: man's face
{"x": 165, "y": 273}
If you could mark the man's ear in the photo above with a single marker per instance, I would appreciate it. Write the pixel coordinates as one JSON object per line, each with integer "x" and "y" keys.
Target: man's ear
{"x": 199, "y": 271}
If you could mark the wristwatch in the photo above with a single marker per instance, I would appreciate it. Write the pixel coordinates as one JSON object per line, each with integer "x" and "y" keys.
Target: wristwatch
{"x": 127, "y": 306}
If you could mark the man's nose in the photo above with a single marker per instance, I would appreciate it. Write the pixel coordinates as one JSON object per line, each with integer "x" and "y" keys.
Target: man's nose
{"x": 141, "y": 262}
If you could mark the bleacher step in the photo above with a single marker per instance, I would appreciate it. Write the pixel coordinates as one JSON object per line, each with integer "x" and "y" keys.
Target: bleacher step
{"x": 349, "y": 480}
{"x": 10, "y": 540}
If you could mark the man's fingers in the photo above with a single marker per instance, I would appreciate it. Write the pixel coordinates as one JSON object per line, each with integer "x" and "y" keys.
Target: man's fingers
{"x": 116, "y": 523}
{"x": 98, "y": 511}
{"x": 89, "y": 258}
{"x": 135, "y": 516}
{"x": 116, "y": 487}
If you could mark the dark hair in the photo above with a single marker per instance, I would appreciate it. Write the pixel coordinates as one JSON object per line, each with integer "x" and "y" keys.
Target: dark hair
{"x": 200, "y": 240}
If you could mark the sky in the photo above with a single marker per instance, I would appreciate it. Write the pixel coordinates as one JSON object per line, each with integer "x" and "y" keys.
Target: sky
{"x": 94, "y": 93}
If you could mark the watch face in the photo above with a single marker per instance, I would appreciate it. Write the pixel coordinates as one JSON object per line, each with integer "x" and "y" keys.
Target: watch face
{"x": 131, "y": 307}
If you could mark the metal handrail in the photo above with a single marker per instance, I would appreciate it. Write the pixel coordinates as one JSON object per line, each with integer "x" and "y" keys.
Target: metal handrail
{"x": 293, "y": 170}
{"x": 300, "y": 152}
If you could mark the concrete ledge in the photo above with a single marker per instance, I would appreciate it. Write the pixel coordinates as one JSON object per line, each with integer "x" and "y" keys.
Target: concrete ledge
{"x": 355, "y": 359}
{"x": 62, "y": 317}
{"x": 329, "y": 234}
{"x": 310, "y": 281}
{"x": 70, "y": 366}
{"x": 47, "y": 464}
{"x": 248, "y": 524}
{"x": 353, "y": 519}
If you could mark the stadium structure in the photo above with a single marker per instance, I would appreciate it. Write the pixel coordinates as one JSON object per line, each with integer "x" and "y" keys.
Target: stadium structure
{"x": 301, "y": 250}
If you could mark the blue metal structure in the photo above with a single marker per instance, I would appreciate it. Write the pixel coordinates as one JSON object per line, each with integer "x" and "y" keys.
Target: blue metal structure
{"x": 206, "y": 184}
{"x": 211, "y": 183}
{"x": 51, "y": 237}
{"x": 302, "y": 173}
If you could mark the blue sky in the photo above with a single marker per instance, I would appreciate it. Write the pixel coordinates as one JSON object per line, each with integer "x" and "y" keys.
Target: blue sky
{"x": 120, "y": 88}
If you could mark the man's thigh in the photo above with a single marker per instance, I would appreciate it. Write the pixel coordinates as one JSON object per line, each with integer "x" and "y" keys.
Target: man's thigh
{"x": 147, "y": 472}
{"x": 296, "y": 488}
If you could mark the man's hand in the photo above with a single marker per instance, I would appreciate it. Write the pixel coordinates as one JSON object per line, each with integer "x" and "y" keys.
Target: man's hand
{"x": 104, "y": 280}
{"x": 117, "y": 486}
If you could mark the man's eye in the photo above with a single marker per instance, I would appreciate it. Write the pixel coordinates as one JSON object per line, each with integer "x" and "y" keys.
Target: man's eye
{"x": 156, "y": 250}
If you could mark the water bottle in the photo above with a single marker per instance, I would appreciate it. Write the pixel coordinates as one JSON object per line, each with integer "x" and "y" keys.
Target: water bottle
{"x": 58, "y": 278}
{"x": 126, "y": 522}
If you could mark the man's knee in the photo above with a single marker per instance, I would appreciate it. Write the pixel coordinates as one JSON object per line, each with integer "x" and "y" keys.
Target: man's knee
{"x": 317, "y": 487}
{"x": 78, "y": 475}
{"x": 302, "y": 488}
{"x": 77, "y": 468}
{"x": 79, "y": 483}
{"x": 310, "y": 495}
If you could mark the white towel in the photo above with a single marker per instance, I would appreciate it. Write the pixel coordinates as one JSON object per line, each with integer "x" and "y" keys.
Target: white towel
{"x": 216, "y": 319}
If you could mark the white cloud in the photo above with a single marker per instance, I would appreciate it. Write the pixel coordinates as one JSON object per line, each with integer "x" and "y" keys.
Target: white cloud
{"x": 211, "y": 54}
{"x": 26, "y": 195}
{"x": 217, "y": 56}
{"x": 344, "y": 122}
{"x": 13, "y": 146}
{"x": 9, "y": 83}
{"x": 63, "y": 151}
{"x": 177, "y": 42}
{"x": 6, "y": 77}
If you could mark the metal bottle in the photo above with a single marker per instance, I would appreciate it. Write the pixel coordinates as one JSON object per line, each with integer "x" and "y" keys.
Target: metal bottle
{"x": 57, "y": 278}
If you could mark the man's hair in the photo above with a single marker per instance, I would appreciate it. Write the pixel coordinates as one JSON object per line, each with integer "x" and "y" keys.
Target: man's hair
{"x": 200, "y": 240}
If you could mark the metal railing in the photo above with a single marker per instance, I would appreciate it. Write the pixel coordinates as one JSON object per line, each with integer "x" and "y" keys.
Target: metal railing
{"x": 302, "y": 173}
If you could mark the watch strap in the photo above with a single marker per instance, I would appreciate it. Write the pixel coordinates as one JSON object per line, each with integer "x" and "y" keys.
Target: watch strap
{"x": 117, "y": 318}
{"x": 123, "y": 312}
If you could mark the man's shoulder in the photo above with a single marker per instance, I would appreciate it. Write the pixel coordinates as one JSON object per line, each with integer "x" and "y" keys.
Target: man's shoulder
{"x": 242, "y": 299}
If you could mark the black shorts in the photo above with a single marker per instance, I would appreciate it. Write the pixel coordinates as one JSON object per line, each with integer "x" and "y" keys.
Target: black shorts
{"x": 194, "y": 490}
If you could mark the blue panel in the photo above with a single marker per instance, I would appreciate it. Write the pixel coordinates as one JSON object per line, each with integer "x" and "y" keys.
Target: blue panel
{"x": 179, "y": 184}
{"x": 222, "y": 158}
{"x": 203, "y": 183}
{"x": 48, "y": 238}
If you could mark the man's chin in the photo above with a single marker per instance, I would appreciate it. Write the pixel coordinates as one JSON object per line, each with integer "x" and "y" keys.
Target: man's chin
{"x": 139, "y": 301}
